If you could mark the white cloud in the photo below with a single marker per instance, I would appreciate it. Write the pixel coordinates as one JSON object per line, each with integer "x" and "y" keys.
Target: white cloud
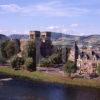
{"x": 53, "y": 8}
{"x": 74, "y": 25}
{"x": 10, "y": 8}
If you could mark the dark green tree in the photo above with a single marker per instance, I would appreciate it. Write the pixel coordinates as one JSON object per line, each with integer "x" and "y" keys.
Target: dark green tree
{"x": 11, "y": 49}
{"x": 3, "y": 48}
{"x": 76, "y": 54}
{"x": 31, "y": 52}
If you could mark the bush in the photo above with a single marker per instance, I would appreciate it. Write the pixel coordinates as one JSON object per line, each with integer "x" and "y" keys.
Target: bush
{"x": 55, "y": 59}
{"x": 30, "y": 64}
{"x": 16, "y": 62}
{"x": 45, "y": 62}
{"x": 69, "y": 67}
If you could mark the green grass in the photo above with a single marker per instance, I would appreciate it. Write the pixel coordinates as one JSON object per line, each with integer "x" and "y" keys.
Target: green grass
{"x": 44, "y": 77}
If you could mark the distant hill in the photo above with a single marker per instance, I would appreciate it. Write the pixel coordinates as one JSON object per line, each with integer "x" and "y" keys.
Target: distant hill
{"x": 19, "y": 36}
{"x": 3, "y": 37}
{"x": 60, "y": 38}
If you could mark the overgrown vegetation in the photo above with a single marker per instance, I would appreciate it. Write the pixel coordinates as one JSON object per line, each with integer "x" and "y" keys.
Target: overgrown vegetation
{"x": 17, "y": 62}
{"x": 29, "y": 64}
{"x": 45, "y": 62}
{"x": 70, "y": 67}
{"x": 31, "y": 53}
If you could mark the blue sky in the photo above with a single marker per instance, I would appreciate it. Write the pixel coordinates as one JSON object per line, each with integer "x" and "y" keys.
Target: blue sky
{"x": 80, "y": 17}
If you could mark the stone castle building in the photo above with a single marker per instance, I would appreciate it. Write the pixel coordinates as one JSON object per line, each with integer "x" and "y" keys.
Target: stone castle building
{"x": 43, "y": 43}
{"x": 88, "y": 60}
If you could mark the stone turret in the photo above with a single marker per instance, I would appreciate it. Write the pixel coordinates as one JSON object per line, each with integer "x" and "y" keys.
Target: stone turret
{"x": 34, "y": 34}
{"x": 46, "y": 36}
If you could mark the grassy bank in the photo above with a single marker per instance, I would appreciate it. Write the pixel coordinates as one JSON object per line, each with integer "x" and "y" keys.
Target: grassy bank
{"x": 44, "y": 77}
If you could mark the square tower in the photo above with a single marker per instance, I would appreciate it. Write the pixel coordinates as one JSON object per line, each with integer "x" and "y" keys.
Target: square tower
{"x": 34, "y": 34}
{"x": 45, "y": 36}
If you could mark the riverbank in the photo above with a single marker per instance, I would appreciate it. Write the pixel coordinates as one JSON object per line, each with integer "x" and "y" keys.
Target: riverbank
{"x": 48, "y": 78}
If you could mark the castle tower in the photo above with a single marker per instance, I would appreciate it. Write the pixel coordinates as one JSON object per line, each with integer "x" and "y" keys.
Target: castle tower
{"x": 34, "y": 35}
{"x": 46, "y": 36}
{"x": 46, "y": 44}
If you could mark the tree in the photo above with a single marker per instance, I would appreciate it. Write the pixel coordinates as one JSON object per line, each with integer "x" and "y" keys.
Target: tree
{"x": 3, "y": 48}
{"x": 31, "y": 52}
{"x": 76, "y": 54}
{"x": 67, "y": 53}
{"x": 11, "y": 49}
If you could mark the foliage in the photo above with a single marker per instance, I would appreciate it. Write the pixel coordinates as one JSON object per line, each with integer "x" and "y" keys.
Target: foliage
{"x": 29, "y": 63}
{"x": 2, "y": 60}
{"x": 45, "y": 62}
{"x": 31, "y": 49}
{"x": 16, "y": 62}
{"x": 31, "y": 52}
{"x": 69, "y": 67}
{"x": 3, "y": 48}
{"x": 55, "y": 59}
{"x": 9, "y": 49}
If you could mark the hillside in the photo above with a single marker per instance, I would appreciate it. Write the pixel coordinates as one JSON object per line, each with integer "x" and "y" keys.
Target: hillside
{"x": 3, "y": 37}
{"x": 66, "y": 39}
{"x": 19, "y": 36}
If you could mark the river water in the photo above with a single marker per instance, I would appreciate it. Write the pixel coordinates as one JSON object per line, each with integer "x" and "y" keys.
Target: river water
{"x": 18, "y": 89}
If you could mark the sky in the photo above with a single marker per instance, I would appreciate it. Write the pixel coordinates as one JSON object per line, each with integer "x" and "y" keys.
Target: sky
{"x": 77, "y": 17}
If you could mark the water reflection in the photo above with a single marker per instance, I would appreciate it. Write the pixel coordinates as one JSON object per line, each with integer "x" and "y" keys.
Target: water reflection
{"x": 23, "y": 90}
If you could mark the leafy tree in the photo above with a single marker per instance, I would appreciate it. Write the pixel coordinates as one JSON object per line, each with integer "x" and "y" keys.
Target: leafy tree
{"x": 9, "y": 49}
{"x": 31, "y": 52}
{"x": 3, "y": 48}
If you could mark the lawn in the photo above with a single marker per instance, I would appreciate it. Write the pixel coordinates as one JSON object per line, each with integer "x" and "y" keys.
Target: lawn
{"x": 49, "y": 78}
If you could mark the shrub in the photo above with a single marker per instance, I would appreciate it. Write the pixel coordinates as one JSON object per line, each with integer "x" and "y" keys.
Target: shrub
{"x": 30, "y": 64}
{"x": 16, "y": 62}
{"x": 45, "y": 62}
{"x": 55, "y": 59}
{"x": 69, "y": 67}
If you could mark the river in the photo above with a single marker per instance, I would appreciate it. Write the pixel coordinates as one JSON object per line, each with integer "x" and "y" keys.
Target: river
{"x": 19, "y": 89}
